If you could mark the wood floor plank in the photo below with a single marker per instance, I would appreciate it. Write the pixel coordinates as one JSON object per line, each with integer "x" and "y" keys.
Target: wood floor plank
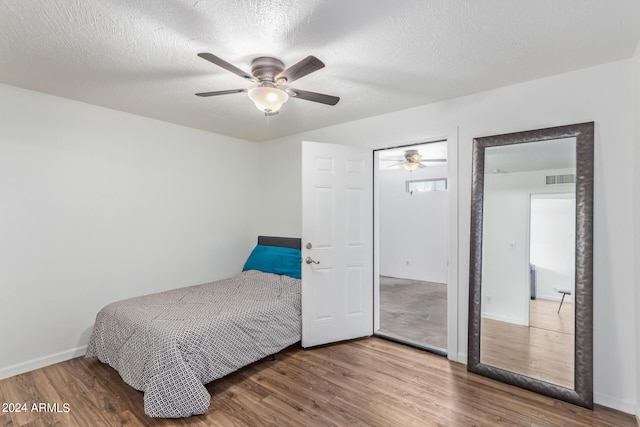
{"x": 283, "y": 380}
{"x": 352, "y": 376}
{"x": 367, "y": 382}
{"x": 543, "y": 350}
{"x": 323, "y": 390}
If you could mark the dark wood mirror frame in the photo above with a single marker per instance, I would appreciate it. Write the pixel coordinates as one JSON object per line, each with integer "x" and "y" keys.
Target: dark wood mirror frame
{"x": 582, "y": 393}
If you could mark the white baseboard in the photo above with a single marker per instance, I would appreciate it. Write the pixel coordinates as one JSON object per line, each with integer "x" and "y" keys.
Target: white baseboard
{"x": 41, "y": 362}
{"x": 599, "y": 398}
{"x": 506, "y": 319}
{"x": 614, "y": 403}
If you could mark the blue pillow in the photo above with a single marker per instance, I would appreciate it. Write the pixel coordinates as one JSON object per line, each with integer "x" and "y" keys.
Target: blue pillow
{"x": 276, "y": 260}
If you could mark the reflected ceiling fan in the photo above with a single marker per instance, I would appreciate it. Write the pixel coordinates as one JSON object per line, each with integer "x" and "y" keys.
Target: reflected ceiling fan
{"x": 412, "y": 160}
{"x": 272, "y": 80}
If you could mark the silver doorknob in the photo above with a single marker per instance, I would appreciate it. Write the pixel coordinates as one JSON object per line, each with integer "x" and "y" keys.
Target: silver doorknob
{"x": 310, "y": 260}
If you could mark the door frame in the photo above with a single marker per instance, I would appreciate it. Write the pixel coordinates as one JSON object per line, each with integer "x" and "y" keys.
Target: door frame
{"x": 559, "y": 192}
{"x": 452, "y": 138}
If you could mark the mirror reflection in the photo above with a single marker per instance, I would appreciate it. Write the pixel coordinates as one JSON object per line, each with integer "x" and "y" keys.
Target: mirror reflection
{"x": 528, "y": 260}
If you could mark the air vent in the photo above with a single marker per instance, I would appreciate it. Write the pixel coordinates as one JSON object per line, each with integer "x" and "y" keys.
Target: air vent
{"x": 561, "y": 179}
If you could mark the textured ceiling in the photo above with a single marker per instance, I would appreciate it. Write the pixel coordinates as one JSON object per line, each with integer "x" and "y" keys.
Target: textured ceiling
{"x": 381, "y": 56}
{"x": 532, "y": 156}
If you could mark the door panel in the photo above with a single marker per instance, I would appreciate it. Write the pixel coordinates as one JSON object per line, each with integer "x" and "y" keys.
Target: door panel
{"x": 353, "y": 220}
{"x": 354, "y": 290}
{"x": 337, "y": 211}
{"x": 322, "y": 296}
{"x": 324, "y": 207}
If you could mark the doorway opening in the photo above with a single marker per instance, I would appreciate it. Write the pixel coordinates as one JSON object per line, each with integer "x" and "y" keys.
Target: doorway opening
{"x": 412, "y": 215}
{"x": 551, "y": 265}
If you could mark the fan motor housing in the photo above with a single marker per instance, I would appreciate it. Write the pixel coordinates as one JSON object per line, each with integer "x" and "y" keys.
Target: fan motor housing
{"x": 265, "y": 68}
{"x": 412, "y": 155}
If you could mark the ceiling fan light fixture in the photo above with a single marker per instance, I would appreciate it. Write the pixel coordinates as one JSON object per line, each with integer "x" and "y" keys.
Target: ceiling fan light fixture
{"x": 268, "y": 99}
{"x": 410, "y": 166}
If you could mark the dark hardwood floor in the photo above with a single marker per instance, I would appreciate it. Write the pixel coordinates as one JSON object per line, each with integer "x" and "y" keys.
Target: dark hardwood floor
{"x": 542, "y": 350}
{"x": 367, "y": 382}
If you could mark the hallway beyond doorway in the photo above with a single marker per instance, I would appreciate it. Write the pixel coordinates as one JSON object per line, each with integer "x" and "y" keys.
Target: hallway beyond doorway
{"x": 414, "y": 312}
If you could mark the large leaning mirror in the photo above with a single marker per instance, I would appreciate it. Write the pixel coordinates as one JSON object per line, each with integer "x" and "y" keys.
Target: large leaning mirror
{"x": 531, "y": 266}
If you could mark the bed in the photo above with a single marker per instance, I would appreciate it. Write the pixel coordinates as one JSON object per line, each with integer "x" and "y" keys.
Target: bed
{"x": 170, "y": 344}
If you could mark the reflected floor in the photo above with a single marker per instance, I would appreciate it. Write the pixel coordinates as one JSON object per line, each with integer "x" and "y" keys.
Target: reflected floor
{"x": 414, "y": 311}
{"x": 544, "y": 350}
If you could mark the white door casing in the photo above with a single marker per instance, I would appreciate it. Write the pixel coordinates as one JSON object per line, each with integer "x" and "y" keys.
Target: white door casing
{"x": 337, "y": 230}
{"x": 452, "y": 137}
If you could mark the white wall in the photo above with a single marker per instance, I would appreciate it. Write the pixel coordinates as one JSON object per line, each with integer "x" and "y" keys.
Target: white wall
{"x": 280, "y": 188}
{"x": 99, "y": 205}
{"x": 413, "y": 227}
{"x": 602, "y": 94}
{"x": 505, "y": 263}
{"x": 553, "y": 223}
{"x": 636, "y": 224}
{"x": 505, "y": 245}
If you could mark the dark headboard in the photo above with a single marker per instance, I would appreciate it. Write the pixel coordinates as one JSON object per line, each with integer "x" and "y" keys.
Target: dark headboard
{"x": 284, "y": 242}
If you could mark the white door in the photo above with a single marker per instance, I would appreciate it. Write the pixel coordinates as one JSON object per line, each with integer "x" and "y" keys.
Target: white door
{"x": 337, "y": 248}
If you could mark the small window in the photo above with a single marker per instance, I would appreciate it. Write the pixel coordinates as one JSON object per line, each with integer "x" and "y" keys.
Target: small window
{"x": 421, "y": 185}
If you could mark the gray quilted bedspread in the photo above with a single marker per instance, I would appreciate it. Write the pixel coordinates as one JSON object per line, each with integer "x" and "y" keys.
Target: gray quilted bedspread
{"x": 170, "y": 344}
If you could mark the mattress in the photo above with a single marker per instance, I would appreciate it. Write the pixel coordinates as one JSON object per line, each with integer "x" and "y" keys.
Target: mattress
{"x": 170, "y": 344}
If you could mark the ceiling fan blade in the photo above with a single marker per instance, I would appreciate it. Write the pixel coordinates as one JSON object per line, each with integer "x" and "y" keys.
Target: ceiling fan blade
{"x": 314, "y": 96}
{"x": 300, "y": 69}
{"x": 221, "y": 92}
{"x": 395, "y": 164}
{"x": 224, "y": 64}
{"x": 433, "y": 160}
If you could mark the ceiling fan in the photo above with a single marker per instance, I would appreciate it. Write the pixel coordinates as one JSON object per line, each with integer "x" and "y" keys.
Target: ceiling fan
{"x": 272, "y": 80}
{"x": 412, "y": 160}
